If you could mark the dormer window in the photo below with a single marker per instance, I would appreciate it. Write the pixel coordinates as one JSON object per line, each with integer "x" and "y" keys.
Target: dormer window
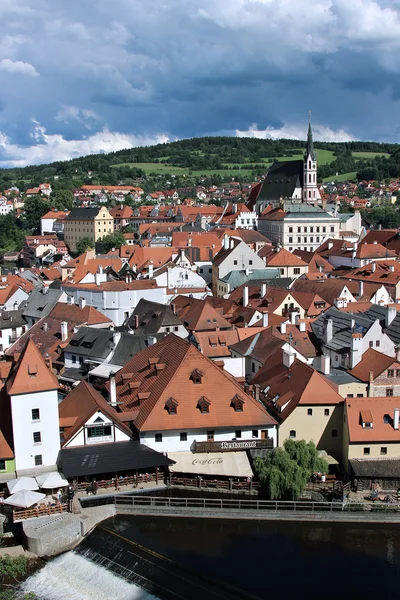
{"x": 366, "y": 419}
{"x": 32, "y": 370}
{"x": 204, "y": 405}
{"x": 196, "y": 376}
{"x": 171, "y": 406}
{"x": 237, "y": 403}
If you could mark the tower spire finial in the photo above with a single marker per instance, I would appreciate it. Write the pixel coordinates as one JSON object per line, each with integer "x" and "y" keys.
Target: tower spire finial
{"x": 310, "y": 144}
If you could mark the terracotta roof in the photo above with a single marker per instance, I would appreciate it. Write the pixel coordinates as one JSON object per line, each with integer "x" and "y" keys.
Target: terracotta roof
{"x": 124, "y": 212}
{"x": 176, "y": 380}
{"x": 304, "y": 386}
{"x": 216, "y": 343}
{"x": 367, "y": 251}
{"x": 198, "y": 315}
{"x": 88, "y": 315}
{"x": 141, "y": 256}
{"x": 56, "y": 214}
{"x": 80, "y": 405}
{"x": 372, "y": 362}
{"x": 282, "y": 258}
{"x": 316, "y": 263}
{"x": 31, "y": 374}
{"x": 382, "y": 412}
{"x": 185, "y": 238}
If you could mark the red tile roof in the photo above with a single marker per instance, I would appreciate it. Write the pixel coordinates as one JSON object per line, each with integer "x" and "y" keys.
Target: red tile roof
{"x": 31, "y": 374}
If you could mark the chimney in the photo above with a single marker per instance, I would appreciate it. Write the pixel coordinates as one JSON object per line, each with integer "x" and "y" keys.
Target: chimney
{"x": 116, "y": 337}
{"x": 329, "y": 330}
{"x": 256, "y": 389}
{"x": 324, "y": 204}
{"x": 265, "y": 319}
{"x": 226, "y": 242}
{"x": 45, "y": 326}
{"x": 151, "y": 270}
{"x": 232, "y": 243}
{"x": 373, "y": 267}
{"x": 325, "y": 364}
{"x": 113, "y": 391}
{"x": 391, "y": 313}
{"x": 396, "y": 419}
{"x": 330, "y": 245}
{"x": 136, "y": 321}
{"x": 293, "y": 318}
{"x": 370, "y": 384}
{"x": 283, "y": 328}
{"x": 302, "y": 326}
{"x": 97, "y": 278}
{"x": 234, "y": 207}
{"x": 391, "y": 268}
{"x": 288, "y": 359}
{"x": 263, "y": 290}
{"x": 82, "y": 302}
{"x": 245, "y": 296}
{"x": 360, "y": 289}
{"x": 64, "y": 331}
{"x": 48, "y": 362}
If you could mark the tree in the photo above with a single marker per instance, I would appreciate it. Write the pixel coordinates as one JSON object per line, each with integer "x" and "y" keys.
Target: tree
{"x": 84, "y": 244}
{"x": 62, "y": 199}
{"x": 35, "y": 207}
{"x": 114, "y": 240}
{"x": 12, "y": 569}
{"x": 285, "y": 471}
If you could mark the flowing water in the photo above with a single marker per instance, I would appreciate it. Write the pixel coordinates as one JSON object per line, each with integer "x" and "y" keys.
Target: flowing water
{"x": 123, "y": 560}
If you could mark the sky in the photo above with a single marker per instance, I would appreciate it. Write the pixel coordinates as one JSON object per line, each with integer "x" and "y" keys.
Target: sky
{"x": 88, "y": 76}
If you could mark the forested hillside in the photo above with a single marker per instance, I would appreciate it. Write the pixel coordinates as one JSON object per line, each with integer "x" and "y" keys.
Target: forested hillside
{"x": 242, "y": 158}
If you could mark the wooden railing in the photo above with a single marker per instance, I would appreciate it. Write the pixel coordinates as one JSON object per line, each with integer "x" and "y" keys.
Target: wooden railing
{"x": 117, "y": 482}
{"x": 221, "y": 484}
{"x": 43, "y": 510}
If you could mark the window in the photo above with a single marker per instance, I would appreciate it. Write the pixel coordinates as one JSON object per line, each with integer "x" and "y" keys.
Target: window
{"x": 296, "y": 271}
{"x": 235, "y": 262}
{"x": 383, "y": 450}
{"x": 73, "y": 358}
{"x": 2, "y": 464}
{"x": 298, "y": 229}
{"x": 326, "y": 412}
{"x": 37, "y": 438}
{"x": 290, "y": 240}
{"x": 334, "y": 433}
{"x": 100, "y": 431}
{"x": 389, "y": 391}
{"x": 183, "y": 436}
{"x": 254, "y": 433}
{"x": 210, "y": 270}
{"x": 390, "y": 373}
{"x": 290, "y": 229}
{"x": 371, "y": 344}
{"x": 309, "y": 411}
{"x": 253, "y": 367}
{"x": 176, "y": 328}
{"x": 299, "y": 240}
{"x": 360, "y": 395}
{"x": 204, "y": 405}
{"x": 35, "y": 414}
{"x": 38, "y": 460}
{"x": 367, "y": 451}
{"x": 292, "y": 434}
{"x": 158, "y": 437}
{"x": 210, "y": 436}
{"x": 238, "y": 434}
{"x": 196, "y": 376}
{"x": 250, "y": 262}
{"x": 398, "y": 373}
{"x": 377, "y": 343}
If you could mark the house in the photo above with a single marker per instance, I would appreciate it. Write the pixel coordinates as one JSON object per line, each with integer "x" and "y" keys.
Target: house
{"x": 297, "y": 226}
{"x": 92, "y": 223}
{"x": 302, "y": 401}
{"x": 199, "y": 315}
{"x": 36, "y": 248}
{"x": 176, "y": 398}
{"x": 14, "y": 290}
{"x": 236, "y": 279}
{"x": 346, "y": 336}
{"x": 12, "y": 326}
{"x": 236, "y": 215}
{"x": 372, "y": 441}
{"x": 97, "y": 444}
{"x": 41, "y": 302}
{"x": 234, "y": 256}
{"x": 380, "y": 373}
{"x": 254, "y": 239}
{"x": 53, "y": 221}
{"x": 33, "y": 392}
{"x": 122, "y": 215}
{"x": 288, "y": 264}
{"x": 150, "y": 318}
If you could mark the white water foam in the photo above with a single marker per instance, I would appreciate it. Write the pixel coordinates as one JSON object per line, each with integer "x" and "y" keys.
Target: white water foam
{"x": 74, "y": 577}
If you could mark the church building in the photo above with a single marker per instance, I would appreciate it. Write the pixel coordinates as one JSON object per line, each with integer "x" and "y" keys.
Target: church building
{"x": 292, "y": 180}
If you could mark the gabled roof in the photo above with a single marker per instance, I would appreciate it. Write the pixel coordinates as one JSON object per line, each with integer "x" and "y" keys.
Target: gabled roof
{"x": 31, "y": 374}
{"x": 372, "y": 362}
{"x": 41, "y": 302}
{"x": 165, "y": 370}
{"x": 298, "y": 384}
{"x": 152, "y": 316}
{"x": 344, "y": 325}
{"x": 199, "y": 315}
{"x": 382, "y": 412}
{"x": 79, "y": 405}
{"x": 282, "y": 179}
{"x": 282, "y": 258}
{"x": 315, "y": 261}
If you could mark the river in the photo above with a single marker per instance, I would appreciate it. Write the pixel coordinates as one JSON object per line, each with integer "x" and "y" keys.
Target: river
{"x": 260, "y": 558}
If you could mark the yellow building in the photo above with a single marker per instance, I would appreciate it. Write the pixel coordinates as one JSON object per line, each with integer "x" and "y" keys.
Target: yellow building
{"x": 93, "y": 223}
{"x": 303, "y": 402}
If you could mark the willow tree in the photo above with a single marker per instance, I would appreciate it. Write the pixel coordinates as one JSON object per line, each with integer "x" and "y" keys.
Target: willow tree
{"x": 284, "y": 472}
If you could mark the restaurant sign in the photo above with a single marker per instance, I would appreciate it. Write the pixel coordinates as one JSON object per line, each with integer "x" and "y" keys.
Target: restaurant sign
{"x": 233, "y": 445}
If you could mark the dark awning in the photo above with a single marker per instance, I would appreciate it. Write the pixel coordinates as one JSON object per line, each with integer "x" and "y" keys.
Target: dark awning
{"x": 115, "y": 457}
{"x": 384, "y": 468}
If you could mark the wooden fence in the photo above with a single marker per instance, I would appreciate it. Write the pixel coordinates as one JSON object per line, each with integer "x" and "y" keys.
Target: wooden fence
{"x": 42, "y": 510}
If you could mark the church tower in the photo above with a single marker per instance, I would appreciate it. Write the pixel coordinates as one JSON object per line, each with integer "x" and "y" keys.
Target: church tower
{"x": 310, "y": 189}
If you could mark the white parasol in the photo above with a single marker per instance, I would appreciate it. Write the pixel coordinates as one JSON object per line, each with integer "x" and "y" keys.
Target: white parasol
{"x": 24, "y": 498}
{"x": 50, "y": 481}
{"x": 22, "y": 483}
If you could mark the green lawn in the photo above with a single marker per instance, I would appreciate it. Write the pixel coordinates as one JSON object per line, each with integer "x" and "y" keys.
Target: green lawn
{"x": 369, "y": 154}
{"x": 343, "y": 177}
{"x": 155, "y": 168}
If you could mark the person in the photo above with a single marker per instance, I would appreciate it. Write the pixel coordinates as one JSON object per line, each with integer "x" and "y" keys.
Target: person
{"x": 59, "y": 495}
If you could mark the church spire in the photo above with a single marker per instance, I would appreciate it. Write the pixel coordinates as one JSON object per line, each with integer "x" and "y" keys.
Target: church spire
{"x": 310, "y": 144}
